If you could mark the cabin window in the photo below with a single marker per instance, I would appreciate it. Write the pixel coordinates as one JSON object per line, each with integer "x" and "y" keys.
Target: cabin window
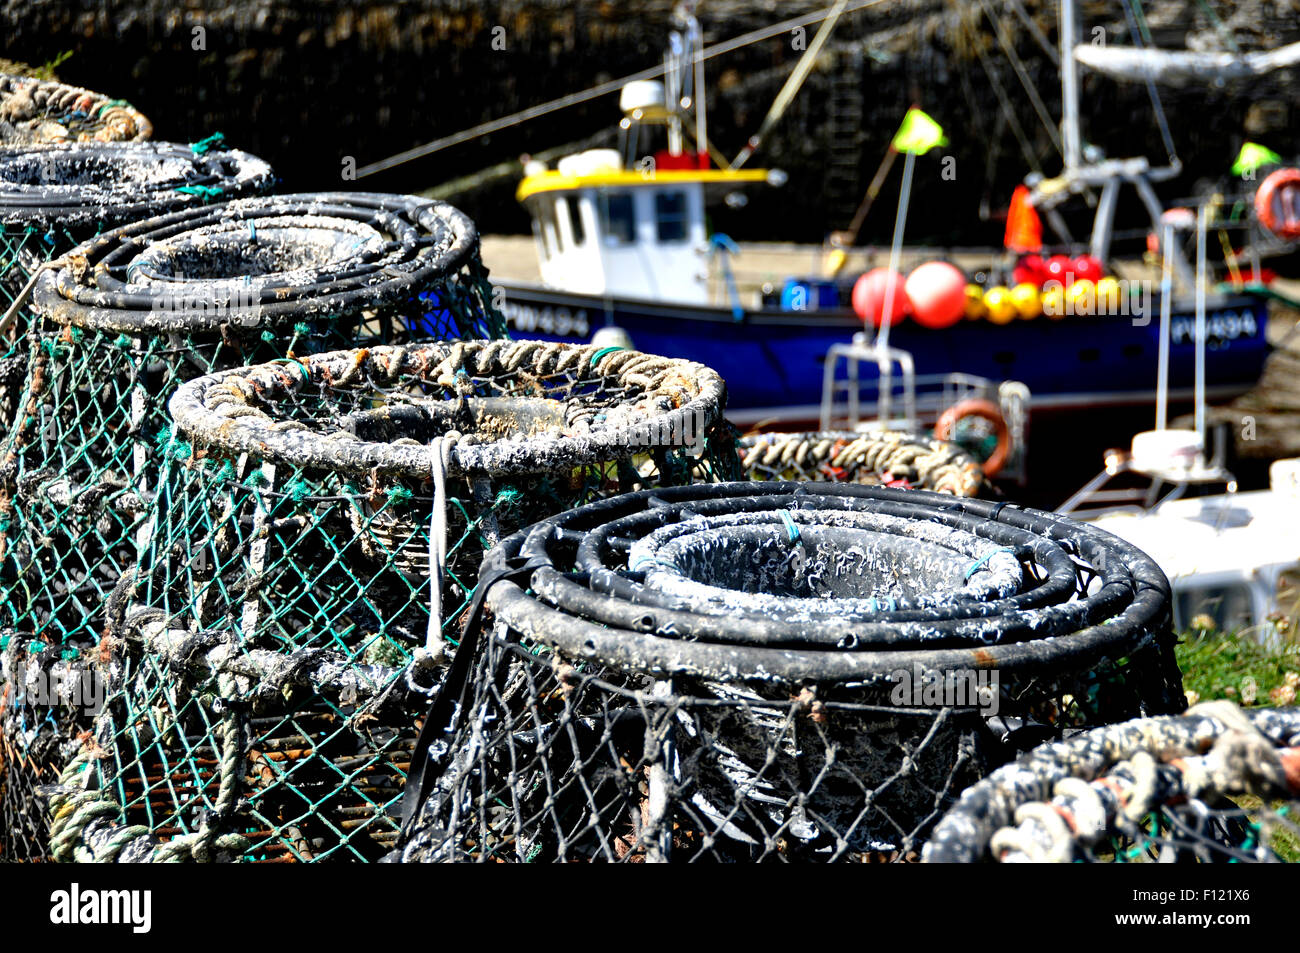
{"x": 670, "y": 215}
{"x": 573, "y": 212}
{"x": 620, "y": 218}
{"x": 550, "y": 233}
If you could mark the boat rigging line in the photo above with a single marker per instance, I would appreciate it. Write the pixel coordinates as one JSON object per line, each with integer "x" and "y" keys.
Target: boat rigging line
{"x": 574, "y": 99}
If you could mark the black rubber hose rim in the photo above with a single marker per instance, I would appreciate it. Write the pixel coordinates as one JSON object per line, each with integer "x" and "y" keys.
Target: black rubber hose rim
{"x": 576, "y": 607}
{"x": 105, "y": 185}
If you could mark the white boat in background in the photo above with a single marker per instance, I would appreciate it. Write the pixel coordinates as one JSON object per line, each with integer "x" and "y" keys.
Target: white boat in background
{"x": 1234, "y": 557}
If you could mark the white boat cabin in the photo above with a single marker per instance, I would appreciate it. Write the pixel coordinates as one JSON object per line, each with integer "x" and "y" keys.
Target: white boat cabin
{"x": 620, "y": 224}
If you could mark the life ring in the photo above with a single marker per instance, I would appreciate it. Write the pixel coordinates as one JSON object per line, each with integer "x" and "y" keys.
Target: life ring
{"x": 1277, "y": 203}
{"x": 990, "y": 412}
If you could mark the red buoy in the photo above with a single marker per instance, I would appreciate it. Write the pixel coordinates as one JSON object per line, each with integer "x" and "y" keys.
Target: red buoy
{"x": 937, "y": 293}
{"x": 870, "y": 291}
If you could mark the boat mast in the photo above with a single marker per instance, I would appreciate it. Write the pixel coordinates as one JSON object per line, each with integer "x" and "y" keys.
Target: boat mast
{"x": 1071, "y": 146}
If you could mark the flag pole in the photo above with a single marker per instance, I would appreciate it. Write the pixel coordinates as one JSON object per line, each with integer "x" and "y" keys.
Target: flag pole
{"x": 896, "y": 249}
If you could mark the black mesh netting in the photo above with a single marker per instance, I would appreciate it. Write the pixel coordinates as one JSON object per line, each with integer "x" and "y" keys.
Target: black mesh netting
{"x": 34, "y": 110}
{"x": 142, "y": 308}
{"x": 1218, "y": 785}
{"x": 268, "y": 662}
{"x": 774, "y": 671}
{"x": 876, "y": 458}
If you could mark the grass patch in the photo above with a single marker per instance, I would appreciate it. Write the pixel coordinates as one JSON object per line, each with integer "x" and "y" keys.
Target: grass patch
{"x": 1216, "y": 665}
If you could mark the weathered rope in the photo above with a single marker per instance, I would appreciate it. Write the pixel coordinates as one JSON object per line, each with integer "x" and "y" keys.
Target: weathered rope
{"x": 1062, "y": 800}
{"x": 667, "y": 403}
{"x": 44, "y": 111}
{"x": 876, "y": 458}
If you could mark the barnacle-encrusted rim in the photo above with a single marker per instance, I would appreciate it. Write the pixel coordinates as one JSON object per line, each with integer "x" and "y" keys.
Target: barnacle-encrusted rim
{"x": 229, "y": 410}
{"x": 409, "y": 245}
{"x": 592, "y": 606}
{"x": 108, "y": 184}
{"x": 118, "y": 121}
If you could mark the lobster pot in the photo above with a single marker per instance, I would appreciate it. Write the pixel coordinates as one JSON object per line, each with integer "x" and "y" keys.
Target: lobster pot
{"x": 53, "y": 197}
{"x": 43, "y": 111}
{"x": 141, "y": 309}
{"x": 877, "y": 458}
{"x": 776, "y": 671}
{"x": 1218, "y": 785}
{"x": 289, "y": 567}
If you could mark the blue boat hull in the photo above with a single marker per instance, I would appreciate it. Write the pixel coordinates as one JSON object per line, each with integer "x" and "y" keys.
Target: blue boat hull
{"x": 772, "y": 360}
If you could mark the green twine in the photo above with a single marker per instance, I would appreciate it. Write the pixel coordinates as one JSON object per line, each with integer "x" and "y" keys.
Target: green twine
{"x": 297, "y": 490}
{"x": 206, "y": 192}
{"x": 595, "y": 358}
{"x": 227, "y": 471}
{"x": 268, "y": 337}
{"x": 399, "y": 494}
{"x": 255, "y": 479}
{"x": 301, "y": 329}
{"x": 110, "y": 104}
{"x": 214, "y": 141}
{"x": 123, "y": 341}
{"x": 508, "y": 496}
{"x": 169, "y": 446}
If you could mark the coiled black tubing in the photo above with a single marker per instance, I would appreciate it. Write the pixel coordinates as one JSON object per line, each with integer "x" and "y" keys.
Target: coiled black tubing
{"x": 830, "y": 582}
{"x": 283, "y": 257}
{"x": 104, "y": 185}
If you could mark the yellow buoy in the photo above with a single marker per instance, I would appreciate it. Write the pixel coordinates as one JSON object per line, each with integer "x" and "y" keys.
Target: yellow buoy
{"x": 1108, "y": 296}
{"x": 1024, "y": 297}
{"x": 975, "y": 302}
{"x": 1001, "y": 308}
{"x": 1082, "y": 296}
{"x": 1053, "y": 300}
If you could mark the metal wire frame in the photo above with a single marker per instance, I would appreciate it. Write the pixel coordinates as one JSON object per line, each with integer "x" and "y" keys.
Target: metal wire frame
{"x": 612, "y": 715}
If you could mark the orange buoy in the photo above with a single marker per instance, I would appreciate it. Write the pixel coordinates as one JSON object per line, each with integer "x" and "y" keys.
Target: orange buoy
{"x": 870, "y": 291}
{"x": 975, "y": 303}
{"x": 944, "y": 427}
{"x": 937, "y": 294}
{"x": 1277, "y": 203}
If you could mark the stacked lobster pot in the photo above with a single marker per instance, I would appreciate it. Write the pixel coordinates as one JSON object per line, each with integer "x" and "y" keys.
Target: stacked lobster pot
{"x": 54, "y": 197}
{"x": 872, "y": 458}
{"x": 320, "y": 527}
{"x": 41, "y": 111}
{"x": 1218, "y": 785}
{"x": 120, "y": 324}
{"x": 773, "y": 671}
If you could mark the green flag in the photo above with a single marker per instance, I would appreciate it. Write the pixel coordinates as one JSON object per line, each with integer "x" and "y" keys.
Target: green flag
{"x": 1252, "y": 156}
{"x": 918, "y": 133}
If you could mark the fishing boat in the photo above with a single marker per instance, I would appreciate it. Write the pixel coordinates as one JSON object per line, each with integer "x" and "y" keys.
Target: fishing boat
{"x": 624, "y": 251}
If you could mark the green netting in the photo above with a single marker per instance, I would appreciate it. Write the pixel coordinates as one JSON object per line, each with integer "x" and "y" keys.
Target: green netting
{"x": 132, "y": 318}
{"x": 34, "y": 110}
{"x": 272, "y": 654}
